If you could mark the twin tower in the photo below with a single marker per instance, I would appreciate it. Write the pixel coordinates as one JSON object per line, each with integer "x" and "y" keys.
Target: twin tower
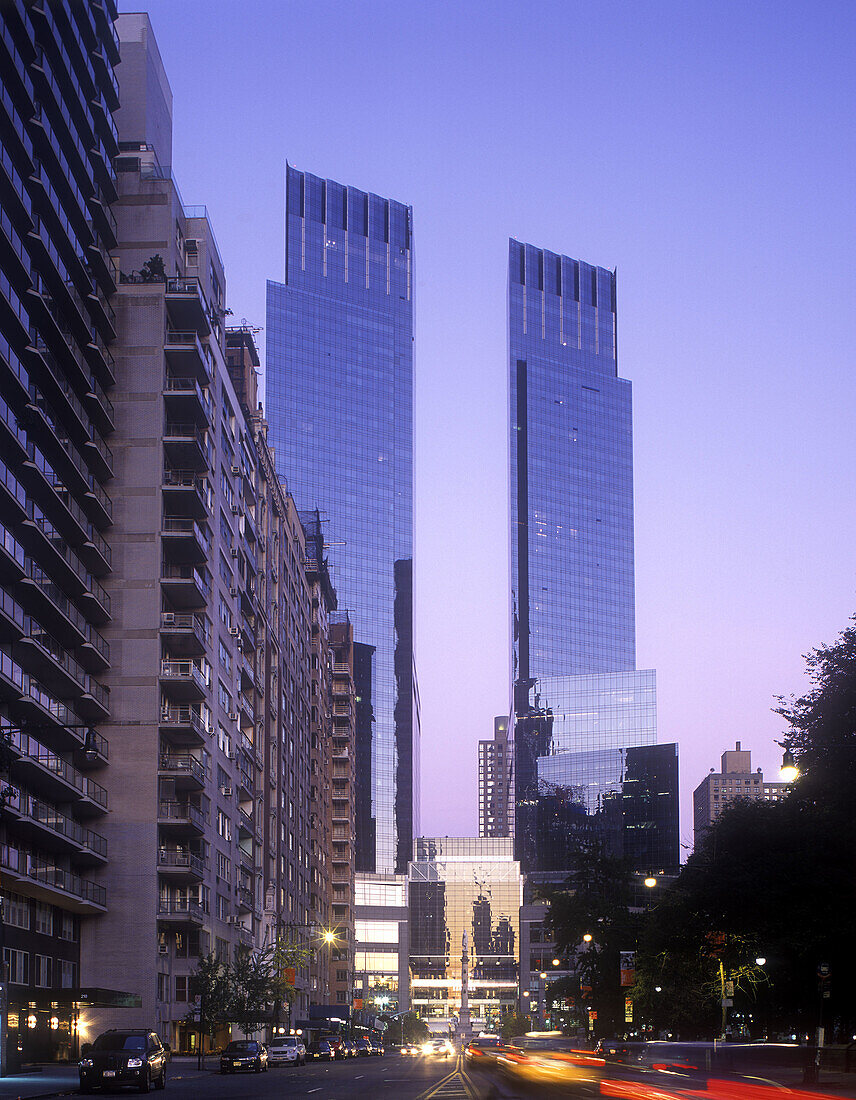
{"x": 339, "y": 404}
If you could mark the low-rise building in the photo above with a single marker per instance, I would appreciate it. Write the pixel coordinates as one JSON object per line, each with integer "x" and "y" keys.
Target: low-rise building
{"x": 734, "y": 781}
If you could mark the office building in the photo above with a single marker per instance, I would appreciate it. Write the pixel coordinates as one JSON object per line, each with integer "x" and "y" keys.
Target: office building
{"x": 465, "y": 897}
{"x": 575, "y": 682}
{"x": 496, "y": 798}
{"x": 339, "y": 402}
{"x": 57, "y": 139}
{"x": 735, "y": 781}
{"x": 382, "y": 948}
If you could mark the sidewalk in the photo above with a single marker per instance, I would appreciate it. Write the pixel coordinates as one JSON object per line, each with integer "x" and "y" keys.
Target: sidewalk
{"x": 62, "y": 1080}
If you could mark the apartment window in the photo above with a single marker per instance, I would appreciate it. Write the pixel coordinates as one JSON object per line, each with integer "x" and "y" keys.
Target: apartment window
{"x": 43, "y": 971}
{"x": 181, "y": 987}
{"x": 163, "y": 987}
{"x": 223, "y": 908}
{"x": 16, "y": 911}
{"x": 341, "y": 997}
{"x": 341, "y": 975}
{"x": 67, "y": 927}
{"x": 17, "y": 965}
{"x": 67, "y": 974}
{"x": 223, "y": 866}
{"x": 44, "y": 919}
{"x": 224, "y": 825}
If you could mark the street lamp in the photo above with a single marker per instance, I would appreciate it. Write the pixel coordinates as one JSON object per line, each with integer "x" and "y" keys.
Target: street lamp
{"x": 587, "y": 938}
{"x": 760, "y": 961}
{"x": 650, "y": 882}
{"x": 789, "y": 770}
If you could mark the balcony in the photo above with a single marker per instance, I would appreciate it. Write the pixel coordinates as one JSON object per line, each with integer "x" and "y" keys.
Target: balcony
{"x": 185, "y": 493}
{"x": 186, "y": 306}
{"x": 185, "y": 540}
{"x": 53, "y": 830}
{"x": 246, "y": 825}
{"x": 179, "y": 913}
{"x": 184, "y": 401}
{"x": 184, "y": 769}
{"x": 51, "y": 884}
{"x": 186, "y": 634}
{"x": 186, "y": 356}
{"x": 180, "y": 864}
{"x": 183, "y": 680}
{"x": 185, "y": 585}
{"x": 181, "y": 817}
{"x": 185, "y": 446}
{"x": 184, "y": 725}
{"x": 246, "y": 901}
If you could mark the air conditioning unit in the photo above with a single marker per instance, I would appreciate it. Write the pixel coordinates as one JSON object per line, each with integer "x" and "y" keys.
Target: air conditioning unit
{"x": 163, "y": 948}
{"x": 233, "y": 630}
{"x": 236, "y": 469}
{"x": 233, "y": 716}
{"x": 226, "y": 792}
{"x": 236, "y": 509}
{"x": 233, "y": 591}
{"x": 168, "y": 618}
{"x": 234, "y": 551}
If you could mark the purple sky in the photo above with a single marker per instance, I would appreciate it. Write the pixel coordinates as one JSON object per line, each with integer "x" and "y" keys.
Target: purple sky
{"x": 707, "y": 151}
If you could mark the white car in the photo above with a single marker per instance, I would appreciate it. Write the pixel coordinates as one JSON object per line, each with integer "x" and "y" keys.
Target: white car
{"x": 288, "y": 1050}
{"x": 438, "y": 1048}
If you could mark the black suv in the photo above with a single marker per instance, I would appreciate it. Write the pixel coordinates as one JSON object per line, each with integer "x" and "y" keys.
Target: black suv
{"x": 124, "y": 1057}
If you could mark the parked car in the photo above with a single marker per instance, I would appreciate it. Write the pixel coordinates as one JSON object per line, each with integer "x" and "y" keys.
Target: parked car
{"x": 378, "y": 1047}
{"x": 287, "y": 1050}
{"x": 337, "y": 1045}
{"x": 244, "y": 1054}
{"x": 124, "y": 1057}
{"x": 364, "y": 1047}
{"x": 320, "y": 1051}
{"x": 350, "y": 1048}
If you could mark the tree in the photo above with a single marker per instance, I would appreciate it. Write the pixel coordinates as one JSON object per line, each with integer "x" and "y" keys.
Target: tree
{"x": 210, "y": 983}
{"x": 254, "y": 984}
{"x": 513, "y": 1023}
{"x": 598, "y": 902}
{"x": 153, "y": 270}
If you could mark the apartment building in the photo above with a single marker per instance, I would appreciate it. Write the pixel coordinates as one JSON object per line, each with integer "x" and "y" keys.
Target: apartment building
{"x": 57, "y": 138}
{"x": 735, "y": 780}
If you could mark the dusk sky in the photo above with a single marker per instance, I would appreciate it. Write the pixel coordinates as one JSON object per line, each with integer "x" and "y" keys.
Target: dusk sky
{"x": 706, "y": 150}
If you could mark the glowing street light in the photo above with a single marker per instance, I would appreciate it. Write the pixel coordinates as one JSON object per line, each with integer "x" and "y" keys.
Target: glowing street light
{"x": 587, "y": 938}
{"x": 789, "y": 770}
{"x": 650, "y": 882}
{"x": 760, "y": 961}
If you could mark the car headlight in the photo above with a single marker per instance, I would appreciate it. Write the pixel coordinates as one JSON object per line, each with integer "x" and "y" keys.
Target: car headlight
{"x": 87, "y": 1063}
{"x": 134, "y": 1063}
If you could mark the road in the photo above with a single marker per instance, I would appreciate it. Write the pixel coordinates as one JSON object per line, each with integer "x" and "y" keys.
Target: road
{"x": 393, "y": 1076}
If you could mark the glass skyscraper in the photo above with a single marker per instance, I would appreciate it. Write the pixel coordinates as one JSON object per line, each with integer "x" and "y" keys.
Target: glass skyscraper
{"x": 577, "y": 692}
{"x": 339, "y": 402}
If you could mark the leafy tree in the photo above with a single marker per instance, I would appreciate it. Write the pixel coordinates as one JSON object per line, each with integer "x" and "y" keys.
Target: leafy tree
{"x": 598, "y": 902}
{"x": 153, "y": 270}
{"x": 254, "y": 984}
{"x": 210, "y": 983}
{"x": 773, "y": 880}
{"x": 513, "y": 1023}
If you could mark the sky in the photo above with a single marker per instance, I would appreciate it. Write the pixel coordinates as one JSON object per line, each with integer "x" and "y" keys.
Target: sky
{"x": 705, "y": 150}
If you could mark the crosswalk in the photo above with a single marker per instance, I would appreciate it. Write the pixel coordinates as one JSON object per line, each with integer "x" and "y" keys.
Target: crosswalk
{"x": 455, "y": 1086}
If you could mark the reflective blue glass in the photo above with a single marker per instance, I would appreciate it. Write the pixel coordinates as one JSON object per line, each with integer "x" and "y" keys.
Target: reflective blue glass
{"x": 577, "y": 692}
{"x": 339, "y": 403}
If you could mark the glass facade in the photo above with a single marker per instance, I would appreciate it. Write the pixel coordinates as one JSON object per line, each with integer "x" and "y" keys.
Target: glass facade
{"x": 464, "y": 885}
{"x": 571, "y": 454}
{"x": 577, "y": 693}
{"x": 339, "y": 404}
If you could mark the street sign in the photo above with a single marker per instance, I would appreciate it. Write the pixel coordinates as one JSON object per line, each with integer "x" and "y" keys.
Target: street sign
{"x": 823, "y": 970}
{"x": 628, "y": 1010}
{"x": 729, "y": 989}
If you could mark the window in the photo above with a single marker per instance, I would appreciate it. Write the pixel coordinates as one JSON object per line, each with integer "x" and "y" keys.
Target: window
{"x": 181, "y": 987}
{"x": 44, "y": 971}
{"x": 376, "y": 931}
{"x": 224, "y": 825}
{"x": 16, "y": 911}
{"x": 67, "y": 976}
{"x": 223, "y": 908}
{"x": 44, "y": 919}
{"x": 17, "y": 965}
{"x": 163, "y": 987}
{"x": 67, "y": 927}
{"x": 223, "y": 866}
